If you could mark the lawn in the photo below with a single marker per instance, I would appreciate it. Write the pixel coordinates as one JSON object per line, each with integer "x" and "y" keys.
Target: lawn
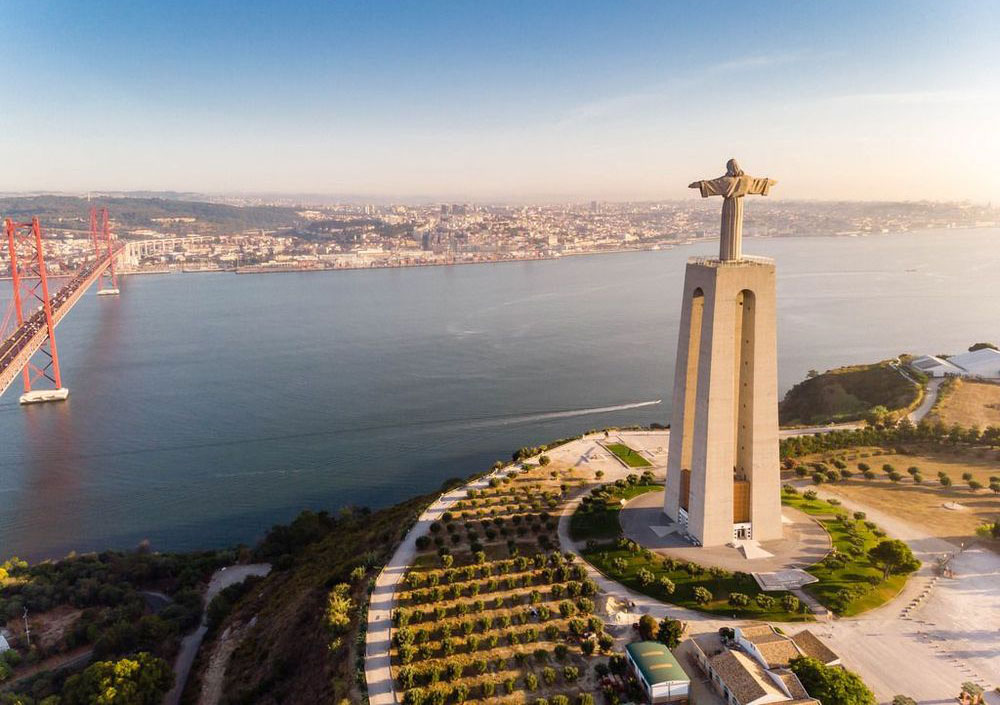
{"x": 599, "y": 520}
{"x": 628, "y": 456}
{"x": 921, "y": 503}
{"x": 625, "y": 566}
{"x": 858, "y": 574}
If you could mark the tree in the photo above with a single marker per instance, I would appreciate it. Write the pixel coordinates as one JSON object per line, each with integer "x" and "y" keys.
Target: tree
{"x": 702, "y": 595}
{"x": 790, "y": 603}
{"x": 670, "y": 632}
{"x": 667, "y": 585}
{"x": 647, "y": 627}
{"x": 903, "y": 700}
{"x": 831, "y": 686}
{"x": 893, "y": 557}
{"x": 877, "y": 415}
{"x": 142, "y": 680}
{"x": 739, "y": 599}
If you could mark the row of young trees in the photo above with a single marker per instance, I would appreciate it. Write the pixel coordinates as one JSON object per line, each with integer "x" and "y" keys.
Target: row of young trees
{"x": 904, "y": 431}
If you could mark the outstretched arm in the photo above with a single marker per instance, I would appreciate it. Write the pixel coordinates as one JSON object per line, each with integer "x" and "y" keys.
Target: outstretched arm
{"x": 760, "y": 187}
{"x": 715, "y": 187}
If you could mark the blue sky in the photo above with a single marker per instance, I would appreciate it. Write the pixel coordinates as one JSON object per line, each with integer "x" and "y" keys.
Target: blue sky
{"x": 502, "y": 100}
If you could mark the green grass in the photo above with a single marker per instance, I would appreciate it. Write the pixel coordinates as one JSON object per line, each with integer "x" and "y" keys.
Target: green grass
{"x": 599, "y": 520}
{"x": 857, "y": 571}
{"x": 603, "y": 558}
{"x": 628, "y": 456}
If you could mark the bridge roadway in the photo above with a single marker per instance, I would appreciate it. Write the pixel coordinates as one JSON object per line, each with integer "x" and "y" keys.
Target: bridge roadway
{"x": 23, "y": 343}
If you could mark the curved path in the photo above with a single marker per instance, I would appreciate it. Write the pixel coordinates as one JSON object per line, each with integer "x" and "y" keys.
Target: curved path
{"x": 221, "y": 579}
{"x": 949, "y": 634}
{"x": 927, "y": 403}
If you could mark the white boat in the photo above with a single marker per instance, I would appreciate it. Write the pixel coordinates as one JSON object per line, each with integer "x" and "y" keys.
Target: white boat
{"x": 108, "y": 292}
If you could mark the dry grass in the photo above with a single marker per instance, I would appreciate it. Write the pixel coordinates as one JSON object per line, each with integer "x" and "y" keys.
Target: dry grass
{"x": 922, "y": 504}
{"x": 968, "y": 403}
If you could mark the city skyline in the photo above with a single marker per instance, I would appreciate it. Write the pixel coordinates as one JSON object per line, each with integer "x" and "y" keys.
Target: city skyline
{"x": 504, "y": 103}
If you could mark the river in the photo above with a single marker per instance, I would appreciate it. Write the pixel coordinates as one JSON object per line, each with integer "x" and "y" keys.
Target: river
{"x": 205, "y": 407}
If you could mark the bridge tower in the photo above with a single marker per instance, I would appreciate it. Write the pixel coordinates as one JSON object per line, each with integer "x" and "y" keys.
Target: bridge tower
{"x": 33, "y": 305}
{"x": 108, "y": 284}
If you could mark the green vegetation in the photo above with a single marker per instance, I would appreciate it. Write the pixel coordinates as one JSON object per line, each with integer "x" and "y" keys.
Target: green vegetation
{"x": 628, "y": 456}
{"x": 847, "y": 394}
{"x": 954, "y": 437}
{"x": 96, "y": 602}
{"x": 142, "y": 680}
{"x": 495, "y": 610}
{"x": 597, "y": 515}
{"x": 679, "y": 582}
{"x": 212, "y": 218}
{"x": 831, "y": 685}
{"x": 851, "y": 578}
{"x": 309, "y": 614}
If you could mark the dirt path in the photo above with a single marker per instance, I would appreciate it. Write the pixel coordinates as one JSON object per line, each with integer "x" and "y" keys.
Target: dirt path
{"x": 221, "y": 579}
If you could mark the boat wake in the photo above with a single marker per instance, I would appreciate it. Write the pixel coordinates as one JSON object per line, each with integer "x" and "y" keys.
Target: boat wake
{"x": 439, "y": 424}
{"x": 548, "y": 415}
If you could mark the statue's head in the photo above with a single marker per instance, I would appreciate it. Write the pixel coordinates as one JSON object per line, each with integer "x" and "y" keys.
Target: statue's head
{"x": 733, "y": 169}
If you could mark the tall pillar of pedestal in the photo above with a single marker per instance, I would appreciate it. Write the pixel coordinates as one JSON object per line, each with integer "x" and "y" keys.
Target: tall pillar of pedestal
{"x": 723, "y": 476}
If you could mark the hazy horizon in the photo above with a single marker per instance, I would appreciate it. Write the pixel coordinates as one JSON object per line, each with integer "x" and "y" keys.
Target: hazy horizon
{"x": 512, "y": 102}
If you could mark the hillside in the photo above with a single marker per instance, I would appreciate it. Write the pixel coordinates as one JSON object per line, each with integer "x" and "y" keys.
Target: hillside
{"x": 71, "y": 212}
{"x": 278, "y": 643}
{"x": 846, "y": 394}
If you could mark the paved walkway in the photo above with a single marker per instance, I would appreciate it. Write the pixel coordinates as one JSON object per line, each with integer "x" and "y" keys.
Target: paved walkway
{"x": 927, "y": 403}
{"x": 378, "y": 673}
{"x": 950, "y": 636}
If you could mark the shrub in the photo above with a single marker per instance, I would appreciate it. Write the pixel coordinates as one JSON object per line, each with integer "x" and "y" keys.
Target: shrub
{"x": 667, "y": 585}
{"x": 765, "y": 602}
{"x": 570, "y": 673}
{"x": 790, "y": 603}
{"x": 702, "y": 595}
{"x": 738, "y": 599}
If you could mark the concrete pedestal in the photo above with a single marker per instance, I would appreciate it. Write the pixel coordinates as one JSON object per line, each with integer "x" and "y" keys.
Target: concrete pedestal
{"x": 723, "y": 475}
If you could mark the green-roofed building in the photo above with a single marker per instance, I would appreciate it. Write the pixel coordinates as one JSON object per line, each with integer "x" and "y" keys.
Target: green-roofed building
{"x": 658, "y": 672}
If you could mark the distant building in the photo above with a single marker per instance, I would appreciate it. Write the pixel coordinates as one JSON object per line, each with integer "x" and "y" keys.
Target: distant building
{"x": 980, "y": 364}
{"x": 749, "y": 665}
{"x": 658, "y": 672}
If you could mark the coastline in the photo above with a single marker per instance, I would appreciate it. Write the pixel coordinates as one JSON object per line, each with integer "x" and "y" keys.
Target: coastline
{"x": 258, "y": 269}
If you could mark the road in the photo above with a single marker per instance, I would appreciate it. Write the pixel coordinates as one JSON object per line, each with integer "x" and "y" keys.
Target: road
{"x": 221, "y": 579}
{"x": 930, "y": 397}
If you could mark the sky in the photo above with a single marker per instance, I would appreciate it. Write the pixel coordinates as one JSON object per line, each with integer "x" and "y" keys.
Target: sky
{"x": 503, "y": 100}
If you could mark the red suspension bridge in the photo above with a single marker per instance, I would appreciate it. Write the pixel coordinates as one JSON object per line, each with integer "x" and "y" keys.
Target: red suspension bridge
{"x": 28, "y": 344}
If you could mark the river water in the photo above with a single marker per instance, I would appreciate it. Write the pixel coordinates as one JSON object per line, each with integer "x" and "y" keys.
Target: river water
{"x": 205, "y": 407}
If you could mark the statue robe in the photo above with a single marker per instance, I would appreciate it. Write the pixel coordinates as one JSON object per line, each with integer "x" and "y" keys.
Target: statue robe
{"x": 733, "y": 189}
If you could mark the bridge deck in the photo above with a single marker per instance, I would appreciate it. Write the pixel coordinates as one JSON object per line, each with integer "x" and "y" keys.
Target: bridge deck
{"x": 25, "y": 341}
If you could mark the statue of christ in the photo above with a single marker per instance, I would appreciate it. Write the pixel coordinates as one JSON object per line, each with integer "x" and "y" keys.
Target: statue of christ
{"x": 733, "y": 187}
